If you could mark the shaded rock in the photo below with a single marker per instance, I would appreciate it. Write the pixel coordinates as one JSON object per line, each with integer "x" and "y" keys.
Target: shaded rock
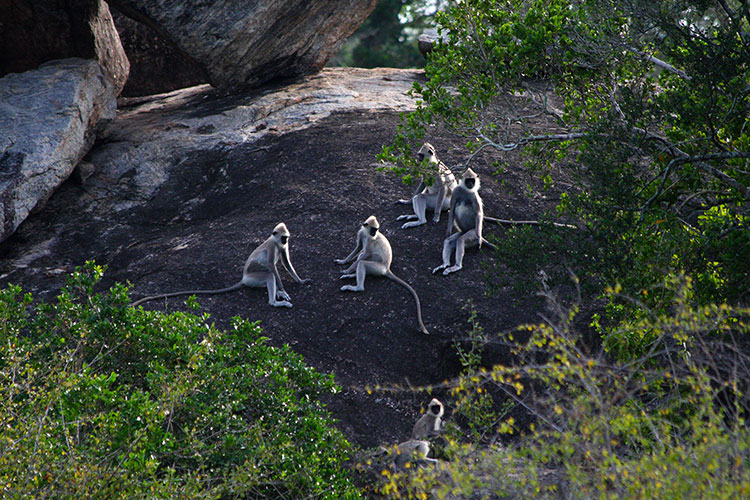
{"x": 48, "y": 121}
{"x": 245, "y": 44}
{"x": 428, "y": 39}
{"x": 156, "y": 64}
{"x": 33, "y": 32}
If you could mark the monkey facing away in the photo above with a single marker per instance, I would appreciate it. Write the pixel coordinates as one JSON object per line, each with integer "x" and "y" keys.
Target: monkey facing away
{"x": 436, "y": 197}
{"x": 411, "y": 451}
{"x": 373, "y": 256}
{"x": 467, "y": 214}
{"x": 430, "y": 424}
{"x": 260, "y": 270}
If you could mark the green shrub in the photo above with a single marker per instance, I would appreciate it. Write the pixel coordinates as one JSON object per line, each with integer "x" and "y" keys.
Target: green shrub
{"x": 669, "y": 424}
{"x": 102, "y": 400}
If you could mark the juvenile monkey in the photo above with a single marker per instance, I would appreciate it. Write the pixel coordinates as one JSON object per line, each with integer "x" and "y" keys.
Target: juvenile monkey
{"x": 260, "y": 270}
{"x": 411, "y": 451}
{"x": 436, "y": 197}
{"x": 431, "y": 423}
{"x": 373, "y": 256}
{"x": 467, "y": 213}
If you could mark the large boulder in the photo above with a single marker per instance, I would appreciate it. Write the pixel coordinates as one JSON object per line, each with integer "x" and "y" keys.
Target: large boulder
{"x": 48, "y": 121}
{"x": 156, "y": 64}
{"x": 243, "y": 44}
{"x": 33, "y": 32}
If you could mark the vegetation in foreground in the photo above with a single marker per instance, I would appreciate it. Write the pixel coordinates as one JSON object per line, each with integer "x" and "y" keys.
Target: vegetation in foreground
{"x": 102, "y": 400}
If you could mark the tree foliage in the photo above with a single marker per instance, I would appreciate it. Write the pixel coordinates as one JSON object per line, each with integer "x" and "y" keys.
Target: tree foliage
{"x": 388, "y": 37}
{"x": 643, "y": 105}
{"x": 102, "y": 400}
{"x": 668, "y": 424}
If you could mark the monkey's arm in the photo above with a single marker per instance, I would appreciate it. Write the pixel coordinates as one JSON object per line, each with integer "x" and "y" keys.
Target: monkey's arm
{"x": 479, "y": 219}
{"x": 419, "y": 189}
{"x": 354, "y": 253}
{"x": 442, "y": 192}
{"x": 287, "y": 263}
{"x": 451, "y": 215}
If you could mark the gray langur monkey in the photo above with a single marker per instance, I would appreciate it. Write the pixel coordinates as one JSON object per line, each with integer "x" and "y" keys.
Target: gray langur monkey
{"x": 373, "y": 256}
{"x": 436, "y": 197}
{"x": 431, "y": 423}
{"x": 411, "y": 451}
{"x": 467, "y": 213}
{"x": 260, "y": 270}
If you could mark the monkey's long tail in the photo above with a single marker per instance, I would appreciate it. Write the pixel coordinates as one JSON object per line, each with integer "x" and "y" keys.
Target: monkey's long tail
{"x": 416, "y": 298}
{"x": 191, "y": 292}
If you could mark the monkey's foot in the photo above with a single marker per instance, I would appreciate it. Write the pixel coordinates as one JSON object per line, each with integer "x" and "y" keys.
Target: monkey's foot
{"x": 451, "y": 269}
{"x": 345, "y": 276}
{"x": 407, "y": 217}
{"x": 280, "y": 303}
{"x": 413, "y": 224}
{"x": 439, "y": 268}
{"x": 351, "y": 288}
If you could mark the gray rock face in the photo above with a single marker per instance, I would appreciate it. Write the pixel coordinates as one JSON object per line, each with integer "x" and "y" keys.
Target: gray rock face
{"x": 244, "y": 44}
{"x": 48, "y": 121}
{"x": 33, "y": 32}
{"x": 153, "y": 135}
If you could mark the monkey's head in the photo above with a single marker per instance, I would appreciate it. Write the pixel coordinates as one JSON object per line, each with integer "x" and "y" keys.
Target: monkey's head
{"x": 427, "y": 151}
{"x": 281, "y": 234}
{"x": 371, "y": 225}
{"x": 470, "y": 180}
{"x": 436, "y": 408}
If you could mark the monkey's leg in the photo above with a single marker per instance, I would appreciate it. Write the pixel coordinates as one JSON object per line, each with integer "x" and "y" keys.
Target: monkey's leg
{"x": 448, "y": 245}
{"x": 460, "y": 245}
{"x": 268, "y": 279}
{"x": 365, "y": 267}
{"x": 419, "y": 202}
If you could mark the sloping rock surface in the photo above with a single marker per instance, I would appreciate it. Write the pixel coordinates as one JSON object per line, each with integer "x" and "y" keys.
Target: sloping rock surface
{"x": 48, "y": 121}
{"x": 242, "y": 44}
{"x": 33, "y": 32}
{"x": 188, "y": 183}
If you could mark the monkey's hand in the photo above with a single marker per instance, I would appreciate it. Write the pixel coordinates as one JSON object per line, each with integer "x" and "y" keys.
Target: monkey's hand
{"x": 436, "y": 219}
{"x": 404, "y": 202}
{"x": 339, "y": 261}
{"x": 305, "y": 281}
{"x": 281, "y": 294}
{"x": 345, "y": 276}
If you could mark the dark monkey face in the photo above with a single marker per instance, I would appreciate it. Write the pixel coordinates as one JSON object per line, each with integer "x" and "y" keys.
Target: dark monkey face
{"x": 373, "y": 231}
{"x": 470, "y": 183}
{"x": 435, "y": 409}
{"x": 284, "y": 239}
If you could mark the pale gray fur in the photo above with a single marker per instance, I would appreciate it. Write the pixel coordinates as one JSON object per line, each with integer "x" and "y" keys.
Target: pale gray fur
{"x": 467, "y": 214}
{"x": 430, "y": 424}
{"x": 373, "y": 256}
{"x": 260, "y": 270}
{"x": 436, "y": 197}
{"x": 412, "y": 451}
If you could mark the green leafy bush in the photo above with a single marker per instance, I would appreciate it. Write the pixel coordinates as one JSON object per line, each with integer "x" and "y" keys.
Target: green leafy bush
{"x": 669, "y": 424}
{"x": 102, "y": 400}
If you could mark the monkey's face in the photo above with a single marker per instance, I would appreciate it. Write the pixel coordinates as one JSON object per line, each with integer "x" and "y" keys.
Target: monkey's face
{"x": 281, "y": 234}
{"x": 470, "y": 182}
{"x": 435, "y": 409}
{"x": 371, "y": 226}
{"x": 426, "y": 151}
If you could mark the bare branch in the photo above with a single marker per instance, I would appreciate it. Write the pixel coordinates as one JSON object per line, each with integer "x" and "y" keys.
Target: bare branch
{"x": 662, "y": 64}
